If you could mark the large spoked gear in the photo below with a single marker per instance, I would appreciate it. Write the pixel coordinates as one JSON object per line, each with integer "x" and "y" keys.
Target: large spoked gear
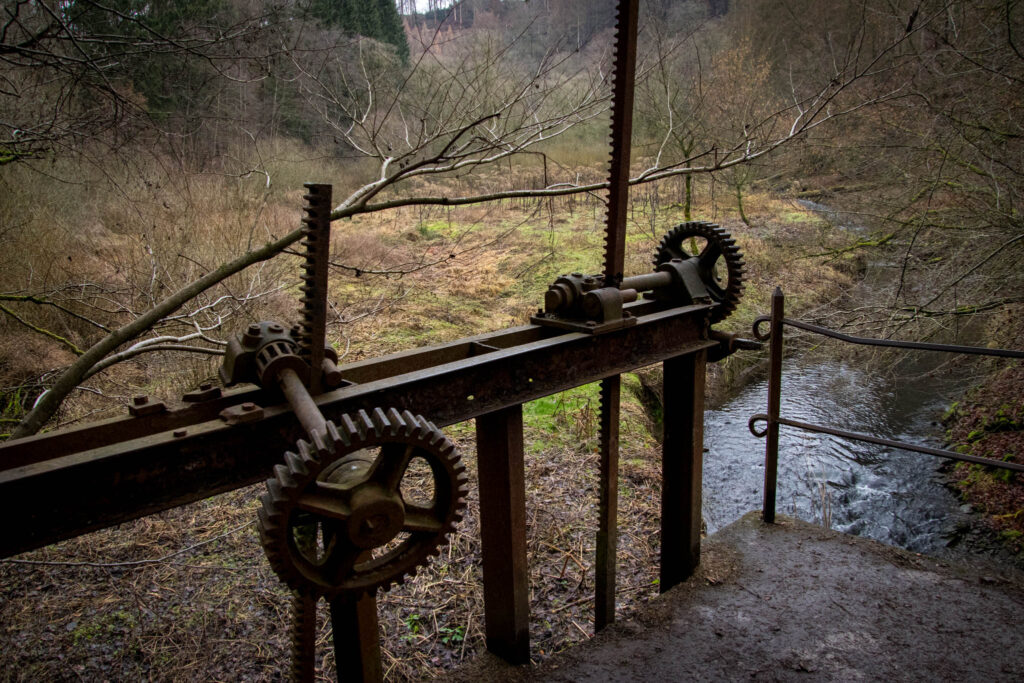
{"x": 338, "y": 517}
{"x": 724, "y": 282}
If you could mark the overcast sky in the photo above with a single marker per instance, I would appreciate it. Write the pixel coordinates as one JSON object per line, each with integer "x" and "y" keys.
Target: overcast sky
{"x": 421, "y": 5}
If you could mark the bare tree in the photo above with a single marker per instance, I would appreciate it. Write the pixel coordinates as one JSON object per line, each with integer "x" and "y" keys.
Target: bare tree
{"x": 446, "y": 119}
{"x": 72, "y": 71}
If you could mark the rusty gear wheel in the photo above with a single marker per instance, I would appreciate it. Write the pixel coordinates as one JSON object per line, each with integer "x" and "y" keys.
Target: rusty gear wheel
{"x": 364, "y": 506}
{"x": 724, "y": 281}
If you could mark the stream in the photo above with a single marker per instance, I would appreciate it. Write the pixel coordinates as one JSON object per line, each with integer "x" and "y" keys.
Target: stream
{"x": 890, "y": 495}
{"x": 894, "y": 496}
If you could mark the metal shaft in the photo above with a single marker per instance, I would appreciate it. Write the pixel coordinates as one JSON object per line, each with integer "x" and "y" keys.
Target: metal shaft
{"x": 302, "y": 403}
{"x": 647, "y": 281}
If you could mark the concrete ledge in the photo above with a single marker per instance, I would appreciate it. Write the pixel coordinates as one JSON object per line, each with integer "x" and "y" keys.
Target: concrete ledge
{"x": 794, "y": 601}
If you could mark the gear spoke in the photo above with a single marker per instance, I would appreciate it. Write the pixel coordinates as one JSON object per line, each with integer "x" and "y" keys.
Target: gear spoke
{"x": 352, "y": 492}
{"x": 321, "y": 500}
{"x": 719, "y": 263}
{"x": 709, "y": 256}
{"x": 421, "y": 519}
{"x": 390, "y": 466}
{"x": 341, "y": 561}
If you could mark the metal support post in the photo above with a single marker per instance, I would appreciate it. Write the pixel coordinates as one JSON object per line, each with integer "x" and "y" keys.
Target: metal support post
{"x": 771, "y": 444}
{"x": 499, "y": 438}
{"x": 682, "y": 467}
{"x": 356, "y": 638}
{"x": 608, "y": 505}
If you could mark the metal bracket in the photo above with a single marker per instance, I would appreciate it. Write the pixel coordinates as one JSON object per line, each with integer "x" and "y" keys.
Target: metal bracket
{"x": 242, "y": 413}
{"x": 141, "y": 406}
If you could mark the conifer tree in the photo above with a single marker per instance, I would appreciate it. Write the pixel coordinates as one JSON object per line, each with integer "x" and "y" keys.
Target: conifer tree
{"x": 377, "y": 19}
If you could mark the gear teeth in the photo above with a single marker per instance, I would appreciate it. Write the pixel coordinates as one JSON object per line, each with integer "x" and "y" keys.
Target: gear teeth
{"x": 334, "y": 437}
{"x": 348, "y": 426}
{"x": 671, "y": 246}
{"x": 381, "y": 425}
{"x": 364, "y": 425}
{"x": 285, "y": 479}
{"x": 412, "y": 422}
{"x": 397, "y": 422}
{"x": 305, "y": 452}
{"x": 320, "y": 445}
{"x": 269, "y": 510}
{"x": 352, "y": 433}
{"x": 275, "y": 492}
{"x": 296, "y": 463}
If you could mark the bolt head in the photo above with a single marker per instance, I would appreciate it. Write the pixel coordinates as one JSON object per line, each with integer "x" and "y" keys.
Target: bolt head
{"x": 178, "y": 433}
{"x": 248, "y": 407}
{"x": 140, "y": 400}
{"x": 276, "y": 329}
{"x": 254, "y": 330}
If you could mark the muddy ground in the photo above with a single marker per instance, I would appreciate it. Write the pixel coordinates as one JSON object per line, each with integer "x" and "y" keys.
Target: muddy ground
{"x": 794, "y": 601}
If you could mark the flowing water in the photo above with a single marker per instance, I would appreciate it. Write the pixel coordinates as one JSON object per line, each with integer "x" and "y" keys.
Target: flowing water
{"x": 890, "y": 495}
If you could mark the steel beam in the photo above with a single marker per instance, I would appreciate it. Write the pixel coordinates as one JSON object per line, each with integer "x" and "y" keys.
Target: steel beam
{"x": 67, "y": 483}
{"x": 356, "y": 636}
{"x": 682, "y": 467}
{"x": 499, "y": 438}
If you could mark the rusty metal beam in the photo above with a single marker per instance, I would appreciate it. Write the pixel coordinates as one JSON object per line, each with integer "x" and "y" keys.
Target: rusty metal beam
{"x": 182, "y": 456}
{"x": 356, "y": 636}
{"x": 682, "y": 467}
{"x": 499, "y": 438}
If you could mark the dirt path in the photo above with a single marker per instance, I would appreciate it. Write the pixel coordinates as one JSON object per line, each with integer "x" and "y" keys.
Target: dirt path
{"x": 795, "y": 601}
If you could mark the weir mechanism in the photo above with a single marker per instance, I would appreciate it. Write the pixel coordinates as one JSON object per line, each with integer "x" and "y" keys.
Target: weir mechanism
{"x": 340, "y": 518}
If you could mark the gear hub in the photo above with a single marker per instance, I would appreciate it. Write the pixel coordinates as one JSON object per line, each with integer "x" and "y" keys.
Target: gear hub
{"x": 362, "y": 506}
{"x": 719, "y": 261}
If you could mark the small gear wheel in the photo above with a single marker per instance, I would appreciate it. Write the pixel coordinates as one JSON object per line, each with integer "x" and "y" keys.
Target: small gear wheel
{"x": 724, "y": 282}
{"x": 363, "y": 505}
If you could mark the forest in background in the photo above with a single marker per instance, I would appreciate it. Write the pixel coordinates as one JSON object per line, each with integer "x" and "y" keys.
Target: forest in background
{"x": 152, "y": 156}
{"x": 144, "y": 145}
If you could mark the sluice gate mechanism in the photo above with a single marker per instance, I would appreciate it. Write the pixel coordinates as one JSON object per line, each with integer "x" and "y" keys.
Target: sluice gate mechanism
{"x": 335, "y": 444}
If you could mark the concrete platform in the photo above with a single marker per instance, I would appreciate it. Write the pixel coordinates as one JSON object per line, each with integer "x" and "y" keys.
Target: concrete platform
{"x": 793, "y": 601}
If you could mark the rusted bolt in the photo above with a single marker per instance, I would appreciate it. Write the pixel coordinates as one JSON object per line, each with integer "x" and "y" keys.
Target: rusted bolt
{"x": 248, "y": 407}
{"x": 140, "y": 400}
{"x": 254, "y": 330}
{"x": 205, "y": 386}
{"x": 178, "y": 433}
{"x": 577, "y": 274}
{"x": 275, "y": 328}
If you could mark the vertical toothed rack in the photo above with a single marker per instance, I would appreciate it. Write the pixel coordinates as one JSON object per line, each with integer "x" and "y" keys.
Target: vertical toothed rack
{"x": 317, "y": 242}
{"x": 614, "y": 264}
